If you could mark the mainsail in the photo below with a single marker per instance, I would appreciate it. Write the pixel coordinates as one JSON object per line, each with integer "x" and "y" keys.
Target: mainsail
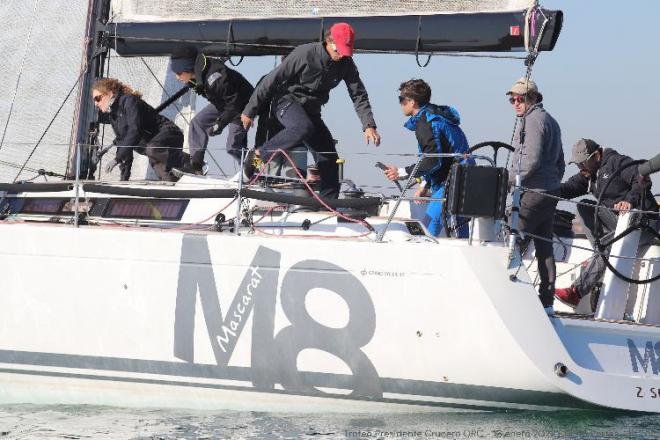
{"x": 43, "y": 55}
{"x": 40, "y": 48}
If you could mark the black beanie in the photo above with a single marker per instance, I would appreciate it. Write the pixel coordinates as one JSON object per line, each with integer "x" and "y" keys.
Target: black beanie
{"x": 183, "y": 59}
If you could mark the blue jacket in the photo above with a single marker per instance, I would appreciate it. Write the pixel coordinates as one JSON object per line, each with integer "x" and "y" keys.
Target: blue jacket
{"x": 438, "y": 130}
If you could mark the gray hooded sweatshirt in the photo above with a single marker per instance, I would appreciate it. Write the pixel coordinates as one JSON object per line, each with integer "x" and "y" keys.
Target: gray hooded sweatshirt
{"x": 542, "y": 166}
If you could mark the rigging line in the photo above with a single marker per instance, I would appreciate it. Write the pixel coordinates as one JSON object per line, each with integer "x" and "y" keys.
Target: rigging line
{"x": 20, "y": 72}
{"x": 595, "y": 251}
{"x": 164, "y": 90}
{"x": 577, "y": 202}
{"x": 43, "y": 135}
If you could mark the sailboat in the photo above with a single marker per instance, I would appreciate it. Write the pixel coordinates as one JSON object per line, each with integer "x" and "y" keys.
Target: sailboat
{"x": 214, "y": 293}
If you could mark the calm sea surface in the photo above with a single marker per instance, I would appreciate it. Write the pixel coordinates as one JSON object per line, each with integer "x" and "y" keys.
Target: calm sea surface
{"x": 87, "y": 422}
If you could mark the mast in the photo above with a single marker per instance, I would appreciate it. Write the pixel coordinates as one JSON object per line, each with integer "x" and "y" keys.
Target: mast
{"x": 93, "y": 63}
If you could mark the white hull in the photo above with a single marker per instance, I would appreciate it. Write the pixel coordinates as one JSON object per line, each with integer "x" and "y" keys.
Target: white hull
{"x": 325, "y": 325}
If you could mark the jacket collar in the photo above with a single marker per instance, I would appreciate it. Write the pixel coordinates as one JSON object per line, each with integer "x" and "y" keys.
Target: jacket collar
{"x": 533, "y": 108}
{"x": 411, "y": 123}
{"x": 323, "y": 53}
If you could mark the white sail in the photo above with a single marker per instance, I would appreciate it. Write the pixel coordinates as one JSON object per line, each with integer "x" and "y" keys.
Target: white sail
{"x": 166, "y": 10}
{"x": 42, "y": 50}
{"x": 41, "y": 46}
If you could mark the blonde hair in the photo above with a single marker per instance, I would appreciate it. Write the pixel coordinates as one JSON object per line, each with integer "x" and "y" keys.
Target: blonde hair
{"x": 105, "y": 85}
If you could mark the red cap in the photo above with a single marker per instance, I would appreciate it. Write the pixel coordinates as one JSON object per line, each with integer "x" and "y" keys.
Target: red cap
{"x": 344, "y": 36}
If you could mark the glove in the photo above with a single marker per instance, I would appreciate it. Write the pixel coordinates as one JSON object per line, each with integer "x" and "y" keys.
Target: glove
{"x": 216, "y": 129}
{"x": 111, "y": 166}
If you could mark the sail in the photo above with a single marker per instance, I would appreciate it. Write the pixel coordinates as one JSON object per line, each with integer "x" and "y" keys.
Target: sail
{"x": 41, "y": 51}
{"x": 182, "y": 10}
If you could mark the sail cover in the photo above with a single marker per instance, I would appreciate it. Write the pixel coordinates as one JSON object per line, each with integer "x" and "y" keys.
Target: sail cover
{"x": 183, "y": 10}
{"x": 260, "y": 27}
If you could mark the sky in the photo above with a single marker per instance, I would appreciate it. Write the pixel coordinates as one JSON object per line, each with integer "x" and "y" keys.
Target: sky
{"x": 600, "y": 82}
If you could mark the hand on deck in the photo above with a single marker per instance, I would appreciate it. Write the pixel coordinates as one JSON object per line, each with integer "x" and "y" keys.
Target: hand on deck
{"x": 370, "y": 134}
{"x": 247, "y": 121}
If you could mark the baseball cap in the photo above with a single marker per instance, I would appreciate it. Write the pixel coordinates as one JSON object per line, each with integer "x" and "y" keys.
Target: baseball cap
{"x": 523, "y": 86}
{"x": 343, "y": 35}
{"x": 582, "y": 150}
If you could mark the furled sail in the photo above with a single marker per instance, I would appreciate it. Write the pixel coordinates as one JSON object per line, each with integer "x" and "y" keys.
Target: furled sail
{"x": 153, "y": 28}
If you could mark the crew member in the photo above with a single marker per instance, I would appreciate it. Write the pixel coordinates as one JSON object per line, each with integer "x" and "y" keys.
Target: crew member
{"x": 437, "y": 129}
{"x": 597, "y": 167}
{"x": 539, "y": 159}
{"x": 138, "y": 128}
{"x": 307, "y": 75}
{"x": 227, "y": 91}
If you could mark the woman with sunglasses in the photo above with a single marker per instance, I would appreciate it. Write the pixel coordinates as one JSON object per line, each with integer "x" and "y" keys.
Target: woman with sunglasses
{"x": 138, "y": 128}
{"x": 539, "y": 159}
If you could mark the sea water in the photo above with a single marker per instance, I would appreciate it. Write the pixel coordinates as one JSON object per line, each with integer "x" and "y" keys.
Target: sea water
{"x": 89, "y": 422}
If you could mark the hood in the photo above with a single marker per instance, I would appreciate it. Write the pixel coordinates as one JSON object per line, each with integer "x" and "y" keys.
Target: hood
{"x": 449, "y": 113}
{"x": 431, "y": 112}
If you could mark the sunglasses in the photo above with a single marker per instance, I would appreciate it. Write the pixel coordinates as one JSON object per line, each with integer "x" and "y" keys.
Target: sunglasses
{"x": 583, "y": 165}
{"x": 98, "y": 98}
{"x": 517, "y": 100}
{"x": 401, "y": 99}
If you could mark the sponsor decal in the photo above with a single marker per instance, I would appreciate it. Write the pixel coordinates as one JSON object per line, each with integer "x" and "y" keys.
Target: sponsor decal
{"x": 647, "y": 359}
{"x": 381, "y": 273}
{"x": 274, "y": 356}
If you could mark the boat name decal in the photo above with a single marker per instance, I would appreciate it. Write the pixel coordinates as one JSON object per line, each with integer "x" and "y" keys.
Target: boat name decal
{"x": 274, "y": 357}
{"x": 651, "y": 357}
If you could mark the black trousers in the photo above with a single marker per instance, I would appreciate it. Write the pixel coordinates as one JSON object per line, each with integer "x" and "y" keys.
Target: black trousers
{"x": 164, "y": 151}
{"x": 301, "y": 127}
{"x": 537, "y": 214}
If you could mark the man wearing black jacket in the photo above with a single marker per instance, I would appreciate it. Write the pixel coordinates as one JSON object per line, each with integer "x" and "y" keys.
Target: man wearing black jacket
{"x": 304, "y": 80}
{"x": 597, "y": 166}
{"x": 228, "y": 92}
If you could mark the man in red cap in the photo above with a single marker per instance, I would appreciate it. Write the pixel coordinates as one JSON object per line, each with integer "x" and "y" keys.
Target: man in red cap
{"x": 299, "y": 87}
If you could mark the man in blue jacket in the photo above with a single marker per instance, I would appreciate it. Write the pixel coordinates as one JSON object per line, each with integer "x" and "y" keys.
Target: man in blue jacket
{"x": 437, "y": 128}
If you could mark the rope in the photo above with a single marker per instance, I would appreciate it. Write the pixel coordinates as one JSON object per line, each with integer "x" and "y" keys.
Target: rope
{"x": 163, "y": 88}
{"x": 310, "y": 189}
{"x": 20, "y": 73}
{"x": 230, "y": 40}
{"x": 595, "y": 251}
{"x": 418, "y": 45}
{"x": 577, "y": 202}
{"x": 43, "y": 135}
